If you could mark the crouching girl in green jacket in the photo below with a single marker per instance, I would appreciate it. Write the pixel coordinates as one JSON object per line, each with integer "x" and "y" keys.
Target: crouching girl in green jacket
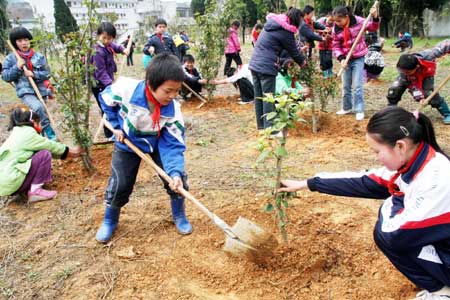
{"x": 26, "y": 157}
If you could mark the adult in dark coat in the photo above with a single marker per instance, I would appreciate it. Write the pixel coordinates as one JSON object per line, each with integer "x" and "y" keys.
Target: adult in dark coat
{"x": 278, "y": 34}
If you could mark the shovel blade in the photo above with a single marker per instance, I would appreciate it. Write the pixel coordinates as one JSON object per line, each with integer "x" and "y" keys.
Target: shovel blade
{"x": 254, "y": 242}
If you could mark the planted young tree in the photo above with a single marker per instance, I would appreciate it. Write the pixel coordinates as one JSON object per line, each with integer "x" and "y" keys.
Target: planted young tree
{"x": 210, "y": 51}
{"x": 74, "y": 80}
{"x": 285, "y": 117}
{"x": 321, "y": 89}
{"x": 64, "y": 21}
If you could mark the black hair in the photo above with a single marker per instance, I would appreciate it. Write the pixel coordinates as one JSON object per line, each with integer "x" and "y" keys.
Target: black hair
{"x": 259, "y": 26}
{"x": 407, "y": 62}
{"x": 108, "y": 28}
{"x": 295, "y": 16}
{"x": 308, "y": 9}
{"x": 128, "y": 36}
{"x": 22, "y": 116}
{"x": 342, "y": 11}
{"x": 188, "y": 57}
{"x": 236, "y": 23}
{"x": 163, "y": 67}
{"x": 285, "y": 66}
{"x": 160, "y": 21}
{"x": 394, "y": 123}
{"x": 18, "y": 33}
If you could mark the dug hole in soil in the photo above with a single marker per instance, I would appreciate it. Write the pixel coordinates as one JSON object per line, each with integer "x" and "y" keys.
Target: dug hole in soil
{"x": 48, "y": 249}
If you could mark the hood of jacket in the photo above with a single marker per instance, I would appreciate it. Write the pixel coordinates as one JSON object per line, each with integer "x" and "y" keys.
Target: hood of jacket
{"x": 277, "y": 22}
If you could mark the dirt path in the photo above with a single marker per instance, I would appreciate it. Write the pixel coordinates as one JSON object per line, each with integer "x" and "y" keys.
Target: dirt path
{"x": 47, "y": 250}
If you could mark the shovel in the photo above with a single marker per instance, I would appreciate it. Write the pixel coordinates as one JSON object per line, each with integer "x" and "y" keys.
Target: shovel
{"x": 245, "y": 238}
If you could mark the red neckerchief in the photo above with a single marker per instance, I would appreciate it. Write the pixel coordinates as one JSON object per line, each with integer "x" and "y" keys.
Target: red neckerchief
{"x": 293, "y": 82}
{"x": 156, "y": 115}
{"x": 393, "y": 188}
{"x": 346, "y": 35}
{"x": 309, "y": 22}
{"x": 191, "y": 71}
{"x": 27, "y": 58}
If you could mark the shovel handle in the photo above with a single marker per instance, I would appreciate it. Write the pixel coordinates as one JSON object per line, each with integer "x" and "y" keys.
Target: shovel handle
{"x": 428, "y": 99}
{"x": 194, "y": 92}
{"x": 218, "y": 221}
{"x": 358, "y": 37}
{"x": 38, "y": 93}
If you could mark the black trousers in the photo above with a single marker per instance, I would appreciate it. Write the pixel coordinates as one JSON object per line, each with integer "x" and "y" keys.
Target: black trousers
{"x": 124, "y": 169}
{"x": 229, "y": 58}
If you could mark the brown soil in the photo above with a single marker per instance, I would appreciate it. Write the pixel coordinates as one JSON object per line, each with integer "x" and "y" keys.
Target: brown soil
{"x": 48, "y": 251}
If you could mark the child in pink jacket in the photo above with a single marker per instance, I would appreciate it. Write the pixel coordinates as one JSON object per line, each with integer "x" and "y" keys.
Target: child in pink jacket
{"x": 233, "y": 47}
{"x": 346, "y": 29}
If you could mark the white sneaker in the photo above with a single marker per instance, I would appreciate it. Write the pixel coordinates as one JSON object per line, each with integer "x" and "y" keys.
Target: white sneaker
{"x": 245, "y": 102}
{"x": 359, "y": 116}
{"x": 344, "y": 112}
{"x": 426, "y": 295}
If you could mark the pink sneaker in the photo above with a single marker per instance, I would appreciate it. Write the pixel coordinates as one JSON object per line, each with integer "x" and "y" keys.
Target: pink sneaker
{"x": 41, "y": 195}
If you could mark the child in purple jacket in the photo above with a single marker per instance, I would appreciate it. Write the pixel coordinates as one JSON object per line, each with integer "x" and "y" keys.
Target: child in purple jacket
{"x": 346, "y": 29}
{"x": 233, "y": 47}
{"x": 105, "y": 66}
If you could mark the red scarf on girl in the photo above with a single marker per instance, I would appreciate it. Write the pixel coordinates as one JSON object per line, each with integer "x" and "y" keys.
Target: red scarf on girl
{"x": 346, "y": 35}
{"x": 27, "y": 58}
{"x": 393, "y": 188}
{"x": 156, "y": 115}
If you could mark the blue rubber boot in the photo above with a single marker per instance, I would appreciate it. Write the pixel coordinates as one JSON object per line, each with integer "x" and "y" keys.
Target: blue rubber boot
{"x": 179, "y": 216}
{"x": 109, "y": 224}
{"x": 49, "y": 133}
{"x": 445, "y": 112}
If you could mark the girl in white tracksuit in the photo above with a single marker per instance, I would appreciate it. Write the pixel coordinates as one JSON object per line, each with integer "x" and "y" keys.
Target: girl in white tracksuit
{"x": 413, "y": 226}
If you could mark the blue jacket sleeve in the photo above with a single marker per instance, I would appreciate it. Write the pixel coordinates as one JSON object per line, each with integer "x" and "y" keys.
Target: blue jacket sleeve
{"x": 41, "y": 71}
{"x": 171, "y": 149}
{"x": 147, "y": 46}
{"x": 290, "y": 46}
{"x": 10, "y": 70}
{"x": 361, "y": 187}
{"x": 308, "y": 34}
{"x": 111, "y": 109}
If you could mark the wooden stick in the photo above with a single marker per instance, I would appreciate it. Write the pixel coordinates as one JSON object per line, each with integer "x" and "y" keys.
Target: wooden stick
{"x": 124, "y": 59}
{"x": 195, "y": 94}
{"x": 358, "y": 37}
{"x": 38, "y": 94}
{"x": 428, "y": 99}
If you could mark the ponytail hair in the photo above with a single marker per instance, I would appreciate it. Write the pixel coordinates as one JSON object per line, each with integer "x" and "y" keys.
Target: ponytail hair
{"x": 394, "y": 123}
{"x": 342, "y": 11}
{"x": 22, "y": 116}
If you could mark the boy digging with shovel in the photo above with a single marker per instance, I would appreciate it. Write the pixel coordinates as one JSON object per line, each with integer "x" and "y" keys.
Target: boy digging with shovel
{"x": 416, "y": 73}
{"x": 145, "y": 113}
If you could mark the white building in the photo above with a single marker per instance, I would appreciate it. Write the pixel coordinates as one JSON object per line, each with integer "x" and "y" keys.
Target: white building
{"x": 21, "y": 13}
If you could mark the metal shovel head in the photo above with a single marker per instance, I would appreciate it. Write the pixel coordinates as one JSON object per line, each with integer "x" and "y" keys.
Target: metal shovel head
{"x": 253, "y": 242}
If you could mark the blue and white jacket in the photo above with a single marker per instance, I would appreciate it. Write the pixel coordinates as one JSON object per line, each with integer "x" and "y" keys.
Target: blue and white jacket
{"x": 417, "y": 216}
{"x": 41, "y": 70}
{"x": 126, "y": 108}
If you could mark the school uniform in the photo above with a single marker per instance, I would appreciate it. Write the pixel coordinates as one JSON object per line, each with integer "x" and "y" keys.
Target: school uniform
{"x": 413, "y": 226}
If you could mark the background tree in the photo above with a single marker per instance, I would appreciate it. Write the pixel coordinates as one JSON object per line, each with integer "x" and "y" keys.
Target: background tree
{"x": 4, "y": 26}
{"x": 64, "y": 21}
{"x": 111, "y": 17}
{"x": 198, "y": 7}
{"x": 212, "y": 28}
